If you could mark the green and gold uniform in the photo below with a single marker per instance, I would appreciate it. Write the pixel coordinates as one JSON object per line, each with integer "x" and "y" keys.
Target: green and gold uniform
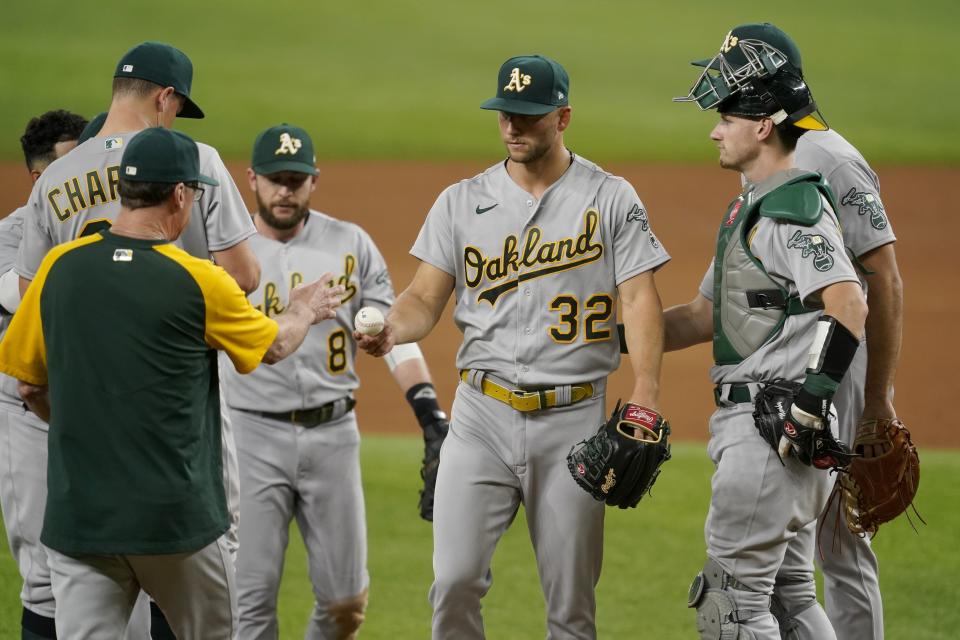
{"x": 125, "y": 333}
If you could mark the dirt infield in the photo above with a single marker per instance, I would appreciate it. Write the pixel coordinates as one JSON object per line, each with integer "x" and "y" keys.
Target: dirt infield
{"x": 390, "y": 201}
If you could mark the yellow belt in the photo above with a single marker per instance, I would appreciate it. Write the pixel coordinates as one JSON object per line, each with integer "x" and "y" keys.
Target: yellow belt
{"x": 529, "y": 400}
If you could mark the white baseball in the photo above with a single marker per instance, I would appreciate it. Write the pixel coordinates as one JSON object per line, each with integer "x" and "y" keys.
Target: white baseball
{"x": 369, "y": 321}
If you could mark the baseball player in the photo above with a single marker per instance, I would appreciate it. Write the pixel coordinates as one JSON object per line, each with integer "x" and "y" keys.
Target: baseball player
{"x": 115, "y": 345}
{"x": 850, "y": 573}
{"x": 538, "y": 250}
{"x": 23, "y": 436}
{"x": 77, "y": 195}
{"x": 781, "y": 301}
{"x": 296, "y": 431}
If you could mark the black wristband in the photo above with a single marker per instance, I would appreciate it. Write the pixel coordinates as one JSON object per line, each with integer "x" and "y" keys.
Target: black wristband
{"x": 812, "y": 404}
{"x": 423, "y": 398}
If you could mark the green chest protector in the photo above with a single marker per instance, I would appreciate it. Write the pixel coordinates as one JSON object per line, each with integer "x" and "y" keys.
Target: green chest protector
{"x": 750, "y": 307}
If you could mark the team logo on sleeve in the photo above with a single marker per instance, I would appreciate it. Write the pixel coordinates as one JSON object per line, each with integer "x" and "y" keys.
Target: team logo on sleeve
{"x": 815, "y": 245}
{"x": 638, "y": 214}
{"x": 529, "y": 258}
{"x": 867, "y": 204}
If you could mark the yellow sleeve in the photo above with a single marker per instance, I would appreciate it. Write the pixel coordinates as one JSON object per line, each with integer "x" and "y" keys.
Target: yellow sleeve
{"x": 23, "y": 352}
{"x": 232, "y": 324}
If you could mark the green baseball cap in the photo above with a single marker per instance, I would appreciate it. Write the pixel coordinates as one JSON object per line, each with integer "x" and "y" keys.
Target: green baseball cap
{"x": 164, "y": 65}
{"x": 284, "y": 147}
{"x": 93, "y": 127}
{"x": 530, "y": 85}
{"x": 764, "y": 32}
{"x": 162, "y": 155}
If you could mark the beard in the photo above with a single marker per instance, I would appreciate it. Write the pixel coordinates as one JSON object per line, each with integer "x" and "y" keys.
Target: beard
{"x": 282, "y": 224}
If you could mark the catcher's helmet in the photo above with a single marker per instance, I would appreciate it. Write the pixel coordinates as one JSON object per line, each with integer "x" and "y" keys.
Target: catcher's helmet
{"x": 758, "y": 72}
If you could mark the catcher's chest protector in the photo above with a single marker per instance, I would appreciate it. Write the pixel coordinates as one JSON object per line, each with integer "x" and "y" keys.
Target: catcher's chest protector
{"x": 749, "y": 307}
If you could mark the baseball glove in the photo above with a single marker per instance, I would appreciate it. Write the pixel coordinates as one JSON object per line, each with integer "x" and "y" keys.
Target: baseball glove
{"x": 434, "y": 433}
{"x": 620, "y": 463}
{"x": 776, "y": 420}
{"x": 883, "y": 481}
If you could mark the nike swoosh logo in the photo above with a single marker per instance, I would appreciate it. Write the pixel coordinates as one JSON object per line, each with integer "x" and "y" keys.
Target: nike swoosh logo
{"x": 485, "y": 209}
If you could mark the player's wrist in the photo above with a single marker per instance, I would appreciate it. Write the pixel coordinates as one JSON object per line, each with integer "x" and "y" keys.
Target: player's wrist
{"x": 422, "y": 398}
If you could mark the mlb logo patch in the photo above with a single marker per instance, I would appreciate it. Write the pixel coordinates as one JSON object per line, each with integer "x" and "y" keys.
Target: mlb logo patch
{"x": 130, "y": 171}
{"x": 112, "y": 143}
{"x": 127, "y": 68}
{"x": 123, "y": 255}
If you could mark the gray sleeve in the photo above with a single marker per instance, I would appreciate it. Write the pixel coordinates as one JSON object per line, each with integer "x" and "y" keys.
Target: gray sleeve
{"x": 225, "y": 215}
{"x": 375, "y": 278}
{"x": 11, "y": 231}
{"x": 36, "y": 241}
{"x": 862, "y": 216}
{"x": 706, "y": 284}
{"x": 434, "y": 244}
{"x": 635, "y": 247}
{"x": 811, "y": 257}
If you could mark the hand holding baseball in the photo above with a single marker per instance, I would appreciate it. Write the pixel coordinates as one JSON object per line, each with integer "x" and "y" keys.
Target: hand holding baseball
{"x": 372, "y": 333}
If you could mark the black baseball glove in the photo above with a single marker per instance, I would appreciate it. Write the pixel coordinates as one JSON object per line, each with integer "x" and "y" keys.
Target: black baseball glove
{"x": 621, "y": 462}
{"x": 434, "y": 432}
{"x": 788, "y": 429}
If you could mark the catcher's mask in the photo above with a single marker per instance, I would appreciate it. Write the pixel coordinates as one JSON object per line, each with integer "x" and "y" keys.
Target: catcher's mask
{"x": 769, "y": 75}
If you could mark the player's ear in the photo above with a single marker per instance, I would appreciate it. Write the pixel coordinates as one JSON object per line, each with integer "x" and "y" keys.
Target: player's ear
{"x": 252, "y": 179}
{"x": 764, "y": 129}
{"x": 564, "y": 121}
{"x": 313, "y": 183}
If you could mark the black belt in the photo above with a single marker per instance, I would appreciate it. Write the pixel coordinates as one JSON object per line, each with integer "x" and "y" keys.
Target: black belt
{"x": 311, "y": 417}
{"x": 738, "y": 394}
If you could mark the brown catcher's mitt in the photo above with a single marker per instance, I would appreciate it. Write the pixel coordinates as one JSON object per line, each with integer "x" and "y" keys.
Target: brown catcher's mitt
{"x": 882, "y": 481}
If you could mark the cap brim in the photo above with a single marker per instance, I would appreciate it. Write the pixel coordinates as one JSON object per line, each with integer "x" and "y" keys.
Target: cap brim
{"x": 518, "y": 106}
{"x": 190, "y": 109}
{"x": 207, "y": 180}
{"x": 285, "y": 165}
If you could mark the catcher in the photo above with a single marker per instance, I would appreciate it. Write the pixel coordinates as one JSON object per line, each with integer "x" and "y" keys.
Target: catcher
{"x": 785, "y": 310}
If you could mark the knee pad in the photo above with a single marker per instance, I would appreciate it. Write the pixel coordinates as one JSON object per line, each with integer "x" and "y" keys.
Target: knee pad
{"x": 712, "y": 594}
{"x": 348, "y": 615}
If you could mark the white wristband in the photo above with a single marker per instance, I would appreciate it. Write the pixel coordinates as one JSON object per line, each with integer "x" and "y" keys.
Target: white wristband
{"x": 402, "y": 352}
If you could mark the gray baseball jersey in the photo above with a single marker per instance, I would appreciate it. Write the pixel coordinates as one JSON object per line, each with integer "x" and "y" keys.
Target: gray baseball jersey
{"x": 11, "y": 231}
{"x": 77, "y": 195}
{"x": 327, "y": 501}
{"x": 851, "y": 585}
{"x": 322, "y": 368}
{"x": 536, "y": 281}
{"x": 536, "y": 290}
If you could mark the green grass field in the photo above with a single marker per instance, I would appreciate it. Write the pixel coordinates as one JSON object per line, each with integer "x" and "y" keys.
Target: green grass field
{"x": 651, "y": 554}
{"x": 403, "y": 79}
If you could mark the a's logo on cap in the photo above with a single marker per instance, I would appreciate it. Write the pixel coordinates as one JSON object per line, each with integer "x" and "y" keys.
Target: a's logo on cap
{"x": 127, "y": 68}
{"x": 518, "y": 81}
{"x": 130, "y": 171}
{"x": 288, "y": 145}
{"x": 729, "y": 42}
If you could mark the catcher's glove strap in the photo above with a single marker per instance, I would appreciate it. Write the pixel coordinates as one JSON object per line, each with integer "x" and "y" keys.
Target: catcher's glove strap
{"x": 526, "y": 399}
{"x": 729, "y": 394}
{"x": 311, "y": 417}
